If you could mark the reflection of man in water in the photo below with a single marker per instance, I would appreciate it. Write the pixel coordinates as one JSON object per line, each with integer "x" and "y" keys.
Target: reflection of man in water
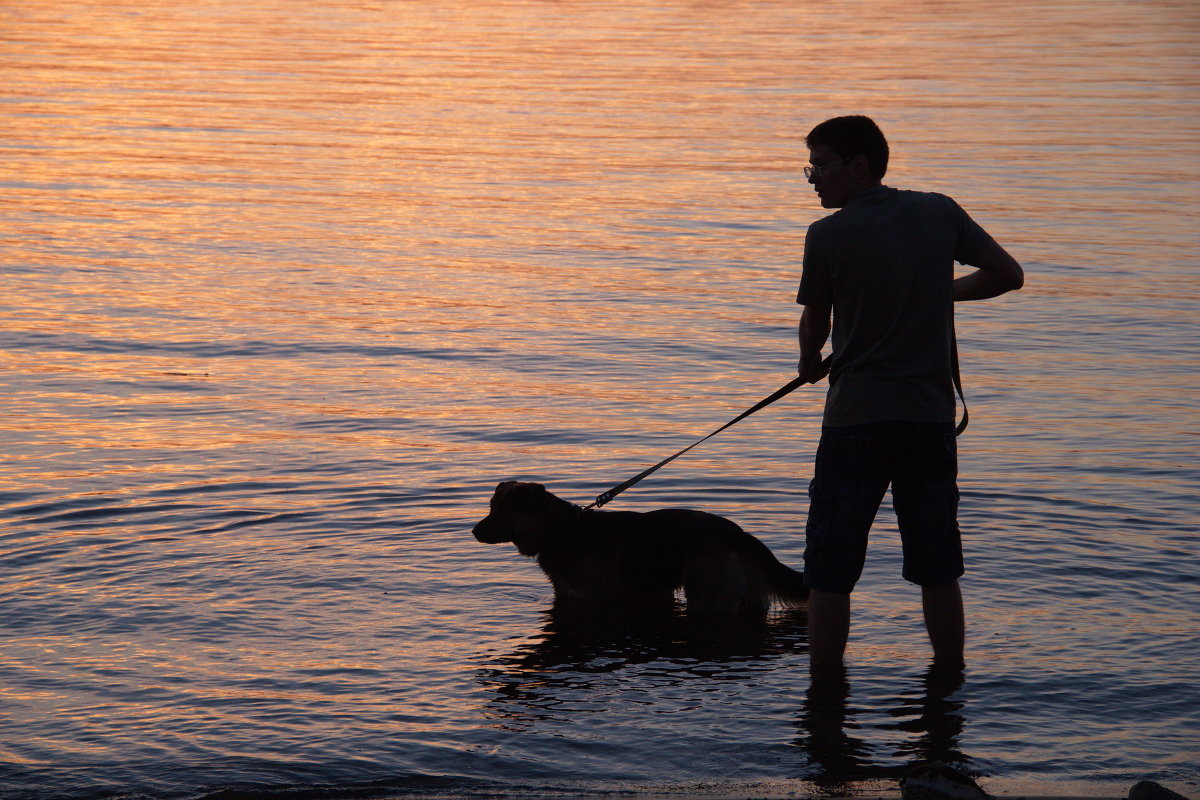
{"x": 827, "y": 726}
{"x": 882, "y": 267}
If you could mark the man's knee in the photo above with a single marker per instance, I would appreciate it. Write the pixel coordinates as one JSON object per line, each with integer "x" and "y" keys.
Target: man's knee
{"x": 935, "y": 573}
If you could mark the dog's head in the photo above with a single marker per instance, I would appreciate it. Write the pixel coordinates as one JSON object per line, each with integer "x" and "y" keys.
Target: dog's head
{"x": 522, "y": 513}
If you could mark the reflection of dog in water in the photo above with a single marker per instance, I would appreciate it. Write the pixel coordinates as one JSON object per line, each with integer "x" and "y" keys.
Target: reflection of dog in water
{"x": 629, "y": 558}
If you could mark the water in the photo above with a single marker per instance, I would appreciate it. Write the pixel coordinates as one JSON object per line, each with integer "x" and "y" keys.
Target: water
{"x": 289, "y": 287}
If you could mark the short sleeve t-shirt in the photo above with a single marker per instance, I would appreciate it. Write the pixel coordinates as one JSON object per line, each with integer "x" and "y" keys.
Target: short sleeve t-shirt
{"x": 885, "y": 263}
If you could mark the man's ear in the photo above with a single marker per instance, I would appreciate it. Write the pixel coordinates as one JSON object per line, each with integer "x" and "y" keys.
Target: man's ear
{"x": 860, "y": 167}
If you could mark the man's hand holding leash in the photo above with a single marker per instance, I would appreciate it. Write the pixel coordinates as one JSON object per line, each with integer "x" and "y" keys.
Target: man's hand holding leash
{"x": 811, "y": 368}
{"x": 815, "y": 324}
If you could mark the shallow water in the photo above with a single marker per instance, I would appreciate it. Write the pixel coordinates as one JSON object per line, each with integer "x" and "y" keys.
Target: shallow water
{"x": 288, "y": 288}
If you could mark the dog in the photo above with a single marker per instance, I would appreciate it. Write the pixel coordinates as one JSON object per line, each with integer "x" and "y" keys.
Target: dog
{"x": 637, "y": 559}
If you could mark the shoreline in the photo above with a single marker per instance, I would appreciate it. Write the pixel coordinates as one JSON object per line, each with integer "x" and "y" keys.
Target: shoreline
{"x": 1000, "y": 789}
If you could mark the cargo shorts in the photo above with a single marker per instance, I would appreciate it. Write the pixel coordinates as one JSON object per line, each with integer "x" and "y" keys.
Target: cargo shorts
{"x": 855, "y": 465}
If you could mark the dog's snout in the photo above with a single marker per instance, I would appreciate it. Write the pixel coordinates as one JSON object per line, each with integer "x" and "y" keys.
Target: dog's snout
{"x": 486, "y": 531}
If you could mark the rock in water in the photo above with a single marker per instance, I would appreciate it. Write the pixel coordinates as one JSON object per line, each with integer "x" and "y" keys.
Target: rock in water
{"x": 937, "y": 781}
{"x": 1149, "y": 790}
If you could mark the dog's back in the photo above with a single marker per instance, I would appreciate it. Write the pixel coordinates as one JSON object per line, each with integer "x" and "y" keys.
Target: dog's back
{"x": 616, "y": 556}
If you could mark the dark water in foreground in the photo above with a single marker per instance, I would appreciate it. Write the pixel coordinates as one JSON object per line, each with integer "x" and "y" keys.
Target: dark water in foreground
{"x": 289, "y": 287}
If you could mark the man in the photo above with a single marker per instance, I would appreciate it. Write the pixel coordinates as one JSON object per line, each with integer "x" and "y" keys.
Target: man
{"x": 882, "y": 267}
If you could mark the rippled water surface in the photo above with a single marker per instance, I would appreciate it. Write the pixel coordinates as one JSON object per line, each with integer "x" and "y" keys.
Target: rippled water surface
{"x": 288, "y": 287}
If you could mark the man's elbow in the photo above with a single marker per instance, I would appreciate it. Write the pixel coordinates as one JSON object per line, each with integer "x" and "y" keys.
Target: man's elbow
{"x": 1015, "y": 278}
{"x": 1004, "y": 270}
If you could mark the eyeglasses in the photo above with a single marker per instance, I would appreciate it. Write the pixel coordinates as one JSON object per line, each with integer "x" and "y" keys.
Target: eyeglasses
{"x": 817, "y": 170}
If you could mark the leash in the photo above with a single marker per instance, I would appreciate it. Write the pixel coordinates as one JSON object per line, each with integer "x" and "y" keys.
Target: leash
{"x": 954, "y": 373}
{"x": 786, "y": 389}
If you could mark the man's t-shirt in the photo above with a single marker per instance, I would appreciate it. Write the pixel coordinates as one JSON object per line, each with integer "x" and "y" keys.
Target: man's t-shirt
{"x": 885, "y": 263}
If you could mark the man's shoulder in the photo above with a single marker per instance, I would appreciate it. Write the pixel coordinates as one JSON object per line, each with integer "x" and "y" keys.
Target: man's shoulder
{"x": 822, "y": 230}
{"x": 824, "y": 223}
{"x": 911, "y": 206}
{"x": 925, "y": 198}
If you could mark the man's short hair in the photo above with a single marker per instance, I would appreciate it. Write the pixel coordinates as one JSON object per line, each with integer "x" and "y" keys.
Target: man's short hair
{"x": 852, "y": 136}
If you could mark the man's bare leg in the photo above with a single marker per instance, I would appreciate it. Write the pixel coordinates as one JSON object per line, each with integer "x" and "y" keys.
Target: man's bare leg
{"x": 828, "y": 627}
{"x": 944, "y": 620}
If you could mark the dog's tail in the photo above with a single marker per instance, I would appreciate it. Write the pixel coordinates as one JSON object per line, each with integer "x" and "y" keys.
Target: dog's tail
{"x": 787, "y": 586}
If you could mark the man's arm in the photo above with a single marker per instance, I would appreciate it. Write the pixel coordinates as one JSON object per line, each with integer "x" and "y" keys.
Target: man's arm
{"x": 813, "y": 331}
{"x": 997, "y": 273}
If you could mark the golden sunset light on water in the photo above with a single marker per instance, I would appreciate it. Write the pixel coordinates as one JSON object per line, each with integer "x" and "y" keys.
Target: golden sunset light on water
{"x": 289, "y": 288}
